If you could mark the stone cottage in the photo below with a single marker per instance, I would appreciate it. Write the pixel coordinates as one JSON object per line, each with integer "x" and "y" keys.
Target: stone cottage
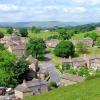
{"x": 52, "y": 43}
{"x": 85, "y": 61}
{"x": 36, "y": 68}
{"x": 29, "y": 88}
{"x": 33, "y": 63}
{"x": 14, "y": 44}
{"x": 88, "y": 41}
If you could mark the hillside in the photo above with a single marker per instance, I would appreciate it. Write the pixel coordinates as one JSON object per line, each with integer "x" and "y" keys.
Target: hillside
{"x": 41, "y": 24}
{"x": 87, "y": 90}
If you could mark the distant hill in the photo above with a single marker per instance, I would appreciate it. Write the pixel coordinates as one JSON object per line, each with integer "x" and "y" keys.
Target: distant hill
{"x": 87, "y": 90}
{"x": 41, "y": 24}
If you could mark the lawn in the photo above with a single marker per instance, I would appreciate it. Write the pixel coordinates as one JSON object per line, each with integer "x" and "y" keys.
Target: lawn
{"x": 43, "y": 35}
{"x": 3, "y": 30}
{"x": 87, "y": 90}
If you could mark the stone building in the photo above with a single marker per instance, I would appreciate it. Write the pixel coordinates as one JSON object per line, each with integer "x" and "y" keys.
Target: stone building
{"x": 68, "y": 79}
{"x": 33, "y": 63}
{"x": 88, "y": 41}
{"x": 29, "y": 88}
{"x": 52, "y": 43}
{"x": 85, "y": 61}
{"x": 15, "y": 44}
{"x": 97, "y": 29}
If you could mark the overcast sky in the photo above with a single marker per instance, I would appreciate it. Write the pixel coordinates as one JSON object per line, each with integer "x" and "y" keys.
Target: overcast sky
{"x": 50, "y": 10}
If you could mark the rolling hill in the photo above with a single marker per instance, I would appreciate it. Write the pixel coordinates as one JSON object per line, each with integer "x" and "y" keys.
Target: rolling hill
{"x": 41, "y": 24}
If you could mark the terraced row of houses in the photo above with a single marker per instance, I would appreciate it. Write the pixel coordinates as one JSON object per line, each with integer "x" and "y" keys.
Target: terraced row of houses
{"x": 85, "y": 61}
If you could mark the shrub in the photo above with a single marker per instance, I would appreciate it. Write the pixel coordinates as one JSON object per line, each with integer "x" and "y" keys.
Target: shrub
{"x": 53, "y": 85}
{"x": 64, "y": 49}
{"x": 65, "y": 66}
{"x": 72, "y": 71}
{"x": 83, "y": 72}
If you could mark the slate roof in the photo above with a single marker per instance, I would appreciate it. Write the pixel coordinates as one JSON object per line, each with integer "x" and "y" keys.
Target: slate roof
{"x": 27, "y": 85}
{"x": 74, "y": 78}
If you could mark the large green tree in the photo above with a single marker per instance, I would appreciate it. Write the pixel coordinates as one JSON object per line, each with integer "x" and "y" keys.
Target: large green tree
{"x": 35, "y": 30}
{"x": 23, "y": 32}
{"x": 64, "y": 49}
{"x": 12, "y": 69}
{"x": 36, "y": 48}
{"x": 10, "y": 30}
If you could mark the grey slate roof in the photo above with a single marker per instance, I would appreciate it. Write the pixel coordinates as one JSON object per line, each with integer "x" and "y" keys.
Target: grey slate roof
{"x": 74, "y": 78}
{"x": 25, "y": 86}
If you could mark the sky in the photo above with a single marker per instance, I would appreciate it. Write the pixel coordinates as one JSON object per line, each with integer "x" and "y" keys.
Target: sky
{"x": 50, "y": 10}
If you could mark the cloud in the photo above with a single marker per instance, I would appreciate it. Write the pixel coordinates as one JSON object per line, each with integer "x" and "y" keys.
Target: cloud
{"x": 32, "y": 10}
{"x": 8, "y": 7}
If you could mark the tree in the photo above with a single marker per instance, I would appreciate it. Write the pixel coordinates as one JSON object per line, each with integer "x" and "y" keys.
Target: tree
{"x": 82, "y": 48}
{"x": 92, "y": 35}
{"x": 7, "y": 60}
{"x": 23, "y": 32}
{"x": 10, "y": 30}
{"x": 12, "y": 70}
{"x": 1, "y": 35}
{"x": 64, "y": 49}
{"x": 67, "y": 33}
{"x": 36, "y": 48}
{"x": 35, "y": 30}
{"x": 20, "y": 67}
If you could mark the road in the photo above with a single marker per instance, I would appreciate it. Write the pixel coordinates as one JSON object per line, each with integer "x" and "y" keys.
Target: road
{"x": 50, "y": 67}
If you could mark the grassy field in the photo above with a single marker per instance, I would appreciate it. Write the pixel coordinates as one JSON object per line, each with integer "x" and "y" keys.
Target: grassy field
{"x": 3, "y": 30}
{"x": 43, "y": 35}
{"x": 80, "y": 36}
{"x": 87, "y": 90}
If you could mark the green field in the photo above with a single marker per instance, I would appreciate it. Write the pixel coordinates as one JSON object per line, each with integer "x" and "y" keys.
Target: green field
{"x": 80, "y": 36}
{"x": 87, "y": 90}
{"x": 43, "y": 35}
{"x": 3, "y": 30}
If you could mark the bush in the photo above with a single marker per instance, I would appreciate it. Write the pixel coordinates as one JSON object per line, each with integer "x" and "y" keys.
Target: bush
{"x": 83, "y": 72}
{"x": 23, "y": 32}
{"x": 65, "y": 66}
{"x": 53, "y": 85}
{"x": 72, "y": 71}
{"x": 1, "y": 35}
{"x": 64, "y": 49}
